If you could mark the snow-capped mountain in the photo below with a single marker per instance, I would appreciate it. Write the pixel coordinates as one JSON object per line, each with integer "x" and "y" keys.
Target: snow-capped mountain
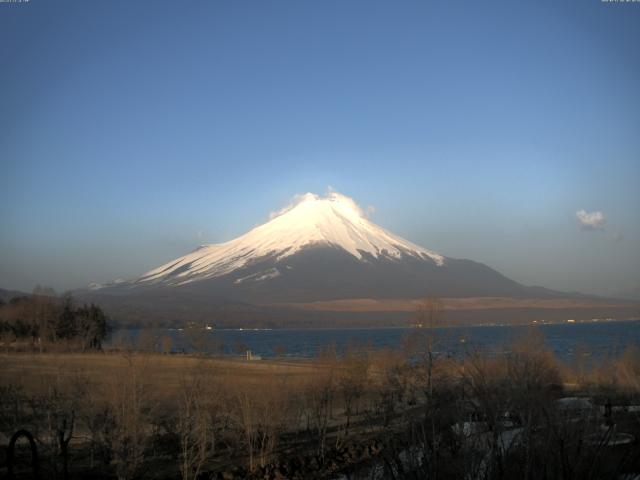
{"x": 317, "y": 249}
{"x": 334, "y": 220}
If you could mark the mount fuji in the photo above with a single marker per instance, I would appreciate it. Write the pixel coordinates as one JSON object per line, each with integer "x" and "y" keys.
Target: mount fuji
{"x": 334, "y": 221}
{"x": 318, "y": 249}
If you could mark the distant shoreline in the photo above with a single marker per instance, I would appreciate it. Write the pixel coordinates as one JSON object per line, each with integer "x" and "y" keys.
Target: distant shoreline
{"x": 394, "y": 327}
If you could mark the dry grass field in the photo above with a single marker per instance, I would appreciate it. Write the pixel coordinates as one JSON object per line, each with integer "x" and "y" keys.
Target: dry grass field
{"x": 129, "y": 415}
{"x": 165, "y": 373}
{"x": 468, "y": 303}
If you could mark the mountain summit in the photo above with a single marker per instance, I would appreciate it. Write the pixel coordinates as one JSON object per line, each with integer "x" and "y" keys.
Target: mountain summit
{"x": 334, "y": 220}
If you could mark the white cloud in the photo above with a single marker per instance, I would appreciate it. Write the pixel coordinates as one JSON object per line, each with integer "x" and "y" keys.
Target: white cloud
{"x": 331, "y": 195}
{"x": 590, "y": 220}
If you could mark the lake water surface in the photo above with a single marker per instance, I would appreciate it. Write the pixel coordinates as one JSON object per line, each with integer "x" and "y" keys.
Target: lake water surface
{"x": 601, "y": 339}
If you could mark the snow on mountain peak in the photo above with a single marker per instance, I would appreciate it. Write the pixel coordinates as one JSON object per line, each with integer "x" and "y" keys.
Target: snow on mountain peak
{"x": 333, "y": 197}
{"x": 334, "y": 219}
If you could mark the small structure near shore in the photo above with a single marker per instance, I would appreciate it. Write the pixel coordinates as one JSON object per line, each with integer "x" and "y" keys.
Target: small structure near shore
{"x": 251, "y": 356}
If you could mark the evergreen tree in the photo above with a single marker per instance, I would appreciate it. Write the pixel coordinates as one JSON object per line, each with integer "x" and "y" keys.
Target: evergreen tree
{"x": 91, "y": 324}
{"x": 66, "y": 324}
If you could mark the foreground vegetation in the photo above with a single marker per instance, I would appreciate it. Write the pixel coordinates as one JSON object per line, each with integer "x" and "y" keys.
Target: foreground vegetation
{"x": 367, "y": 414}
{"x": 44, "y": 320}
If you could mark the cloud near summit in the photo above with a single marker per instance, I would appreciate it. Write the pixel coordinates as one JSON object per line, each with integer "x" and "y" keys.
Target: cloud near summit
{"x": 590, "y": 220}
{"x": 331, "y": 195}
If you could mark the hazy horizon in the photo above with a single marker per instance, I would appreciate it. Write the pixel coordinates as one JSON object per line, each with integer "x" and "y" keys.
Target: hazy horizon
{"x": 504, "y": 133}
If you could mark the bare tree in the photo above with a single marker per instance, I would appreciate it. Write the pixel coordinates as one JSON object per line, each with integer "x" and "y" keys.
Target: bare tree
{"x": 147, "y": 340}
{"x": 427, "y": 318}
{"x": 97, "y": 417}
{"x": 196, "y": 421}
{"x": 353, "y": 377}
{"x": 197, "y": 337}
{"x": 318, "y": 397}
{"x": 127, "y": 401}
{"x": 57, "y": 409}
{"x": 165, "y": 344}
{"x": 14, "y": 408}
{"x": 260, "y": 417}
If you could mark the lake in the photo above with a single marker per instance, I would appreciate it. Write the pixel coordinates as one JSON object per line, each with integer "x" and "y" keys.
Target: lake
{"x": 601, "y": 339}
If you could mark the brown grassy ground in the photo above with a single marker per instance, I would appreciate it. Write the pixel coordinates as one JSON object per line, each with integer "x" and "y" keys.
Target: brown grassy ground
{"x": 471, "y": 303}
{"x": 264, "y": 413}
{"x": 162, "y": 371}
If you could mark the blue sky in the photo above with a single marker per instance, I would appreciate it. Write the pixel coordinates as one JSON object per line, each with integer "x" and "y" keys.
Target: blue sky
{"x": 131, "y": 132}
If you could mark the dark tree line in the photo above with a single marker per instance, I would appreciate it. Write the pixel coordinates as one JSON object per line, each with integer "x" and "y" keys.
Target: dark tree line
{"x": 44, "y": 318}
